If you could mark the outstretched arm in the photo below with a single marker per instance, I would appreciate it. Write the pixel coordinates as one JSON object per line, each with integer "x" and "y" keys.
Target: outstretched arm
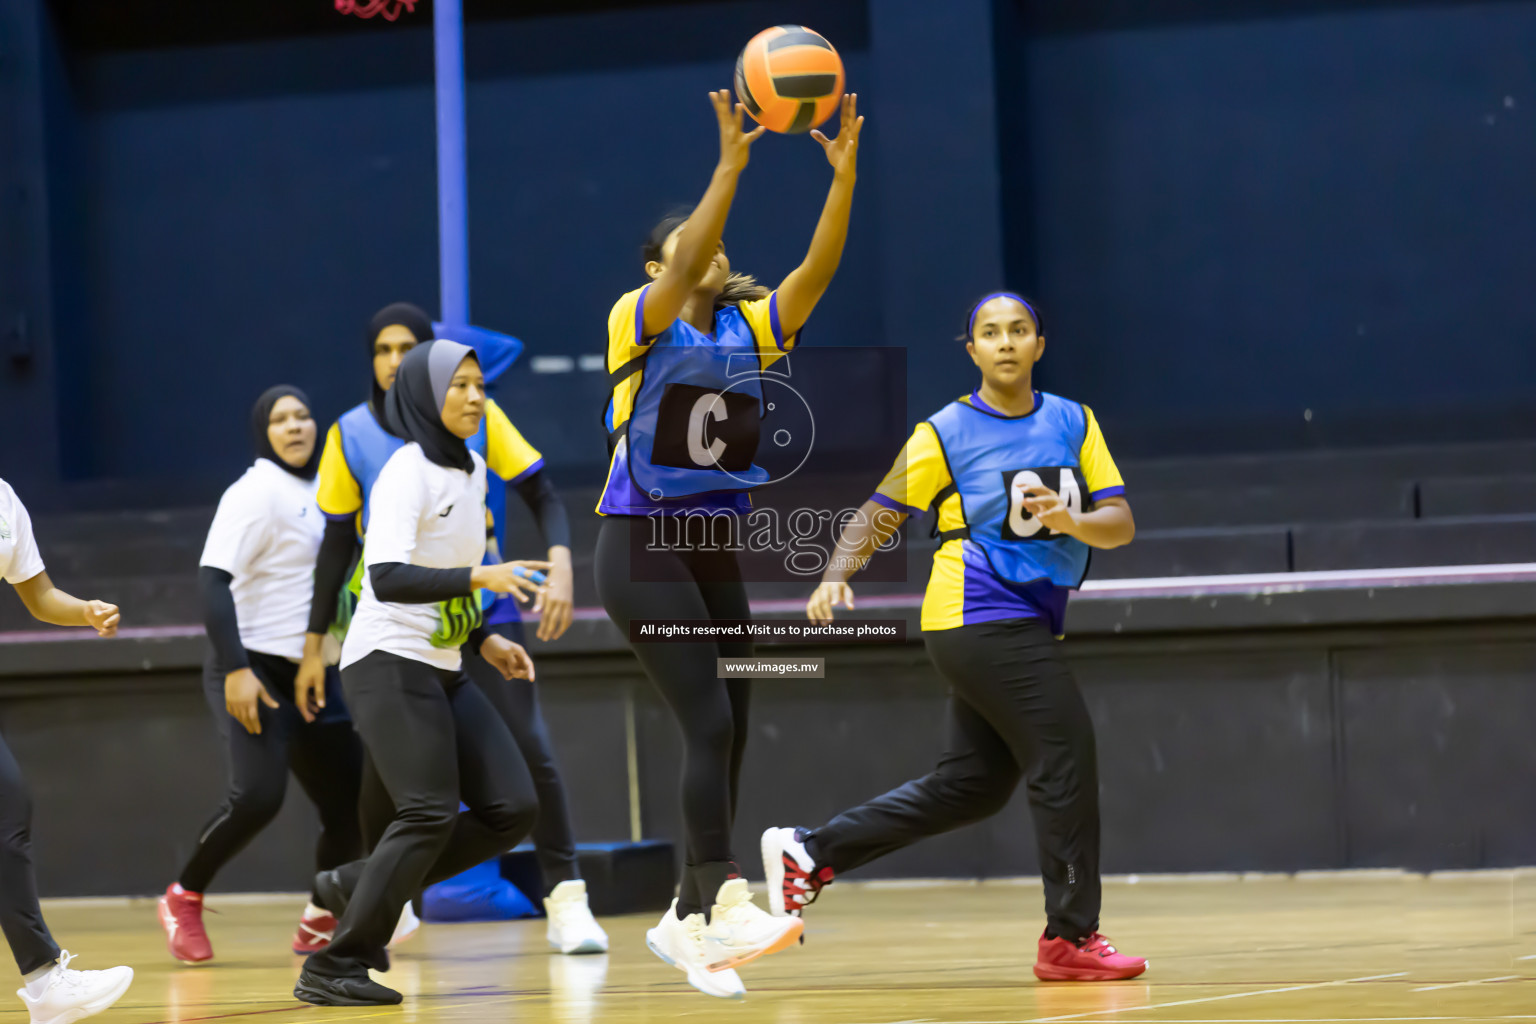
{"x": 49, "y": 604}
{"x": 700, "y": 237}
{"x": 807, "y": 283}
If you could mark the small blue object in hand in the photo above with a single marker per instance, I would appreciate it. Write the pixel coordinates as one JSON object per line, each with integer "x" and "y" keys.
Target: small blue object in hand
{"x": 534, "y": 575}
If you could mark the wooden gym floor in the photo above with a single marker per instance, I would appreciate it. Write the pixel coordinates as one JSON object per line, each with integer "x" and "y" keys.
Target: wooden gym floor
{"x": 1348, "y": 947}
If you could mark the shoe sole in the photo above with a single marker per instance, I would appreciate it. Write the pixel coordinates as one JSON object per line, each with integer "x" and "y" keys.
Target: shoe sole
{"x": 308, "y": 950}
{"x": 789, "y": 938}
{"x": 165, "y": 923}
{"x": 650, "y": 944}
{"x": 1051, "y": 973}
{"x": 95, "y": 1006}
{"x": 583, "y": 947}
{"x": 316, "y": 997}
{"x": 773, "y": 868}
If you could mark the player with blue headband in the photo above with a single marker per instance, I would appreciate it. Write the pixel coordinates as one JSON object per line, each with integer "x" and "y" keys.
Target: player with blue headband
{"x": 1024, "y": 488}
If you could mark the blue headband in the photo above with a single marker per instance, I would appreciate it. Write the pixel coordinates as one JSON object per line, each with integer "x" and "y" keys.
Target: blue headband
{"x": 1016, "y": 297}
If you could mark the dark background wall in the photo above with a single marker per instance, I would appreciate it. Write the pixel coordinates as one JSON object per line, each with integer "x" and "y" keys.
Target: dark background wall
{"x": 1234, "y": 213}
{"x": 1238, "y": 221}
{"x": 1351, "y": 742}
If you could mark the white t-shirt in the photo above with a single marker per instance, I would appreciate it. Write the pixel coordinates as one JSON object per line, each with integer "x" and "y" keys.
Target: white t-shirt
{"x": 266, "y": 534}
{"x": 423, "y": 514}
{"x": 19, "y": 557}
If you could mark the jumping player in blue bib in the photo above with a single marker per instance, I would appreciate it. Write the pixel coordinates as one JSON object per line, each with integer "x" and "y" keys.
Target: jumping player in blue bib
{"x": 684, "y": 356}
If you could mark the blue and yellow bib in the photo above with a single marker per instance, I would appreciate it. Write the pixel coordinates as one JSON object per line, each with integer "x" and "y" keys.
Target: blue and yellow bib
{"x": 993, "y": 460}
{"x": 685, "y": 408}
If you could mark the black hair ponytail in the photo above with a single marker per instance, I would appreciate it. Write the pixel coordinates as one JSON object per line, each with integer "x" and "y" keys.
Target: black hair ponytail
{"x": 738, "y": 288}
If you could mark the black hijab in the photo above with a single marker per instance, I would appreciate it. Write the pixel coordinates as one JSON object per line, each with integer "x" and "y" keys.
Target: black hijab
{"x": 413, "y": 409}
{"x": 261, "y": 418}
{"x": 414, "y": 319}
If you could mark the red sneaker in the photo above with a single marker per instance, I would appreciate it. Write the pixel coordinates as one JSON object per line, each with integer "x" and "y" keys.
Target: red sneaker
{"x": 316, "y": 927}
{"x": 181, "y": 915}
{"x": 1094, "y": 960}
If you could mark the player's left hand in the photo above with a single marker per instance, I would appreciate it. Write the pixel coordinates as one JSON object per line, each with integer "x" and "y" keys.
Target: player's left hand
{"x": 1050, "y": 508}
{"x": 507, "y": 657}
{"x": 309, "y": 686}
{"x": 556, "y": 602}
{"x": 843, "y": 151}
{"x": 102, "y": 617}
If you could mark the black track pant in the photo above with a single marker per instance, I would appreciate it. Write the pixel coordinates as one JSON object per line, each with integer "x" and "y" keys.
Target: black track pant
{"x": 435, "y": 740}
{"x": 1014, "y": 711}
{"x": 517, "y": 701}
{"x": 636, "y": 582}
{"x": 20, "y": 916}
{"x": 324, "y": 755}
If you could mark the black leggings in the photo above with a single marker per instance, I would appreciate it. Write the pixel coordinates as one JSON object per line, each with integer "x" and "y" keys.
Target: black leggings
{"x": 634, "y": 581}
{"x": 517, "y": 701}
{"x": 1014, "y": 709}
{"x": 324, "y": 755}
{"x": 435, "y": 740}
{"x": 20, "y": 916}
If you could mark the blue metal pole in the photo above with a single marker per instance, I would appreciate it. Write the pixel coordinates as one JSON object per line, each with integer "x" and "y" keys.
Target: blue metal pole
{"x": 452, "y": 183}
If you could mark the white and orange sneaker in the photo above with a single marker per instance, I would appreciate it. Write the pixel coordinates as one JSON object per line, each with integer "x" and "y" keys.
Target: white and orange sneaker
{"x": 316, "y": 928}
{"x": 739, "y": 931}
{"x": 794, "y": 880}
{"x": 680, "y": 942}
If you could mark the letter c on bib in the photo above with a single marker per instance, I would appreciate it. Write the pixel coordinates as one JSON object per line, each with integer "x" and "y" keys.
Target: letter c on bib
{"x": 712, "y": 406}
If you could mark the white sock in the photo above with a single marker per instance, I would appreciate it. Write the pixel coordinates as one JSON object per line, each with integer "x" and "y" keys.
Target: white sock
{"x": 37, "y": 981}
{"x": 311, "y": 911}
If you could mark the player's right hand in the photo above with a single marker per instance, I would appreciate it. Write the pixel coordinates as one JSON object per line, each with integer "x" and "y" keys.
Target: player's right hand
{"x": 735, "y": 144}
{"x": 241, "y": 691}
{"x": 504, "y": 579}
{"x": 826, "y": 597}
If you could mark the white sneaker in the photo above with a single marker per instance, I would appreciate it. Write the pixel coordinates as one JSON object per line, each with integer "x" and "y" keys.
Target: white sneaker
{"x": 794, "y": 880}
{"x": 681, "y": 944}
{"x": 405, "y": 927}
{"x": 71, "y": 995}
{"x": 572, "y": 928}
{"x": 739, "y": 931}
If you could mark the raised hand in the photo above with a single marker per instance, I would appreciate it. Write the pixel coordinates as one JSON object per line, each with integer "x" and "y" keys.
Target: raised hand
{"x": 735, "y": 145}
{"x": 843, "y": 151}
